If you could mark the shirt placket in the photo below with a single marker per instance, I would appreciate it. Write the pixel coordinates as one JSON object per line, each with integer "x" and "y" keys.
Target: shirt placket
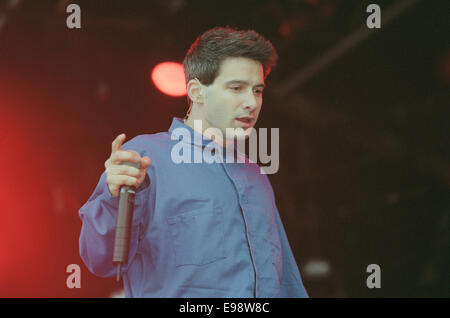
{"x": 239, "y": 182}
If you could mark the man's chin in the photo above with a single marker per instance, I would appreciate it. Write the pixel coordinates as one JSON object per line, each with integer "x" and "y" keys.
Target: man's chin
{"x": 243, "y": 134}
{"x": 238, "y": 133}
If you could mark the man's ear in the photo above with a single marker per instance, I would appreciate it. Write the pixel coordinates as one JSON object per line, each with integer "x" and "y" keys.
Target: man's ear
{"x": 195, "y": 91}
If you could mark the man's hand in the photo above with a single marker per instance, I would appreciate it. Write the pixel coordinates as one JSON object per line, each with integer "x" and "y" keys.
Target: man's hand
{"x": 118, "y": 175}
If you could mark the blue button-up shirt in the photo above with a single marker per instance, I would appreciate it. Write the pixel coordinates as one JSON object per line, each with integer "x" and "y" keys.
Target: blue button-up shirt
{"x": 198, "y": 229}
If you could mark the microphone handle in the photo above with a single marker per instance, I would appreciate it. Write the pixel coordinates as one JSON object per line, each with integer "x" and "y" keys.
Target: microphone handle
{"x": 123, "y": 226}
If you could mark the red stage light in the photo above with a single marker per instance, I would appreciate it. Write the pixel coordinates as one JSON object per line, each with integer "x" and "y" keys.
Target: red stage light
{"x": 168, "y": 77}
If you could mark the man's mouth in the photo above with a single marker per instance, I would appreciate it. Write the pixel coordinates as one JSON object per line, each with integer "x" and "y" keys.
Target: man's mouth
{"x": 246, "y": 120}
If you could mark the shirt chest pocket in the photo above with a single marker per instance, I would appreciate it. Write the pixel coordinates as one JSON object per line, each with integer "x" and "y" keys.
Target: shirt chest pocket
{"x": 197, "y": 236}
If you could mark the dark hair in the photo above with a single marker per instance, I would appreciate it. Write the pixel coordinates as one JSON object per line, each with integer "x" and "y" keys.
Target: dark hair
{"x": 203, "y": 59}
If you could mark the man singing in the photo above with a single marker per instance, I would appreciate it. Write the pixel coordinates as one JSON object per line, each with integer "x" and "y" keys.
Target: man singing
{"x": 198, "y": 229}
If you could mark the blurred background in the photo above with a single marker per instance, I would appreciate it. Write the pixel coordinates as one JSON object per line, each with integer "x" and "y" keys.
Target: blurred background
{"x": 363, "y": 115}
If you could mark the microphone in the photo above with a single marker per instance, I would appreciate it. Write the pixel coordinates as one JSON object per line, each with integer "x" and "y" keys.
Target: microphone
{"x": 123, "y": 222}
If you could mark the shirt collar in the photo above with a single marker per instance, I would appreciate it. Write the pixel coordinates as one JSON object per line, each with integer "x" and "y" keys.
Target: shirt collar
{"x": 196, "y": 137}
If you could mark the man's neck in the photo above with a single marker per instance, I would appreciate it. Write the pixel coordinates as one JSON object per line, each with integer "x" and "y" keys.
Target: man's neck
{"x": 223, "y": 142}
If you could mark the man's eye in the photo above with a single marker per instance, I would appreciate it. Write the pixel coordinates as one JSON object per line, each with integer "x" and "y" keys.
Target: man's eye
{"x": 259, "y": 91}
{"x": 236, "y": 88}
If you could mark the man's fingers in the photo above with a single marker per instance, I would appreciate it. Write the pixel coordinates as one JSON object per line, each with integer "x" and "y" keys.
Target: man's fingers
{"x": 119, "y": 180}
{"x": 123, "y": 155}
{"x": 107, "y": 163}
{"x": 145, "y": 162}
{"x": 117, "y": 143}
{"x": 123, "y": 170}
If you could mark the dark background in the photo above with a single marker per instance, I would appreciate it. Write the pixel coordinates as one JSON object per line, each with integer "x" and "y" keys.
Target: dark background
{"x": 364, "y": 139}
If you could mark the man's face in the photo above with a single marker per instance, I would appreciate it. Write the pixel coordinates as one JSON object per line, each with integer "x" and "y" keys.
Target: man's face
{"x": 234, "y": 99}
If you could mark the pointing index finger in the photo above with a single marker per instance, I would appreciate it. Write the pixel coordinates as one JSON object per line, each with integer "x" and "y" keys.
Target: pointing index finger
{"x": 117, "y": 143}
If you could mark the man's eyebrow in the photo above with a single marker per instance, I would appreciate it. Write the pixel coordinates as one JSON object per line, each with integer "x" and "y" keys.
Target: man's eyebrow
{"x": 244, "y": 82}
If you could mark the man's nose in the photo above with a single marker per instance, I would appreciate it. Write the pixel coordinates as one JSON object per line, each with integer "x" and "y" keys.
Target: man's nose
{"x": 251, "y": 101}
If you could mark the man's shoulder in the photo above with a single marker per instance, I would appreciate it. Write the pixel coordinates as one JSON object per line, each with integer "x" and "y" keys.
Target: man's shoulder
{"x": 254, "y": 169}
{"x": 148, "y": 142}
{"x": 251, "y": 164}
{"x": 150, "y": 138}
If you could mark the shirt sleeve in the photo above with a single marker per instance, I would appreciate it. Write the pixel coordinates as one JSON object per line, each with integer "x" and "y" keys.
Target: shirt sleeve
{"x": 291, "y": 283}
{"x": 98, "y": 216}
